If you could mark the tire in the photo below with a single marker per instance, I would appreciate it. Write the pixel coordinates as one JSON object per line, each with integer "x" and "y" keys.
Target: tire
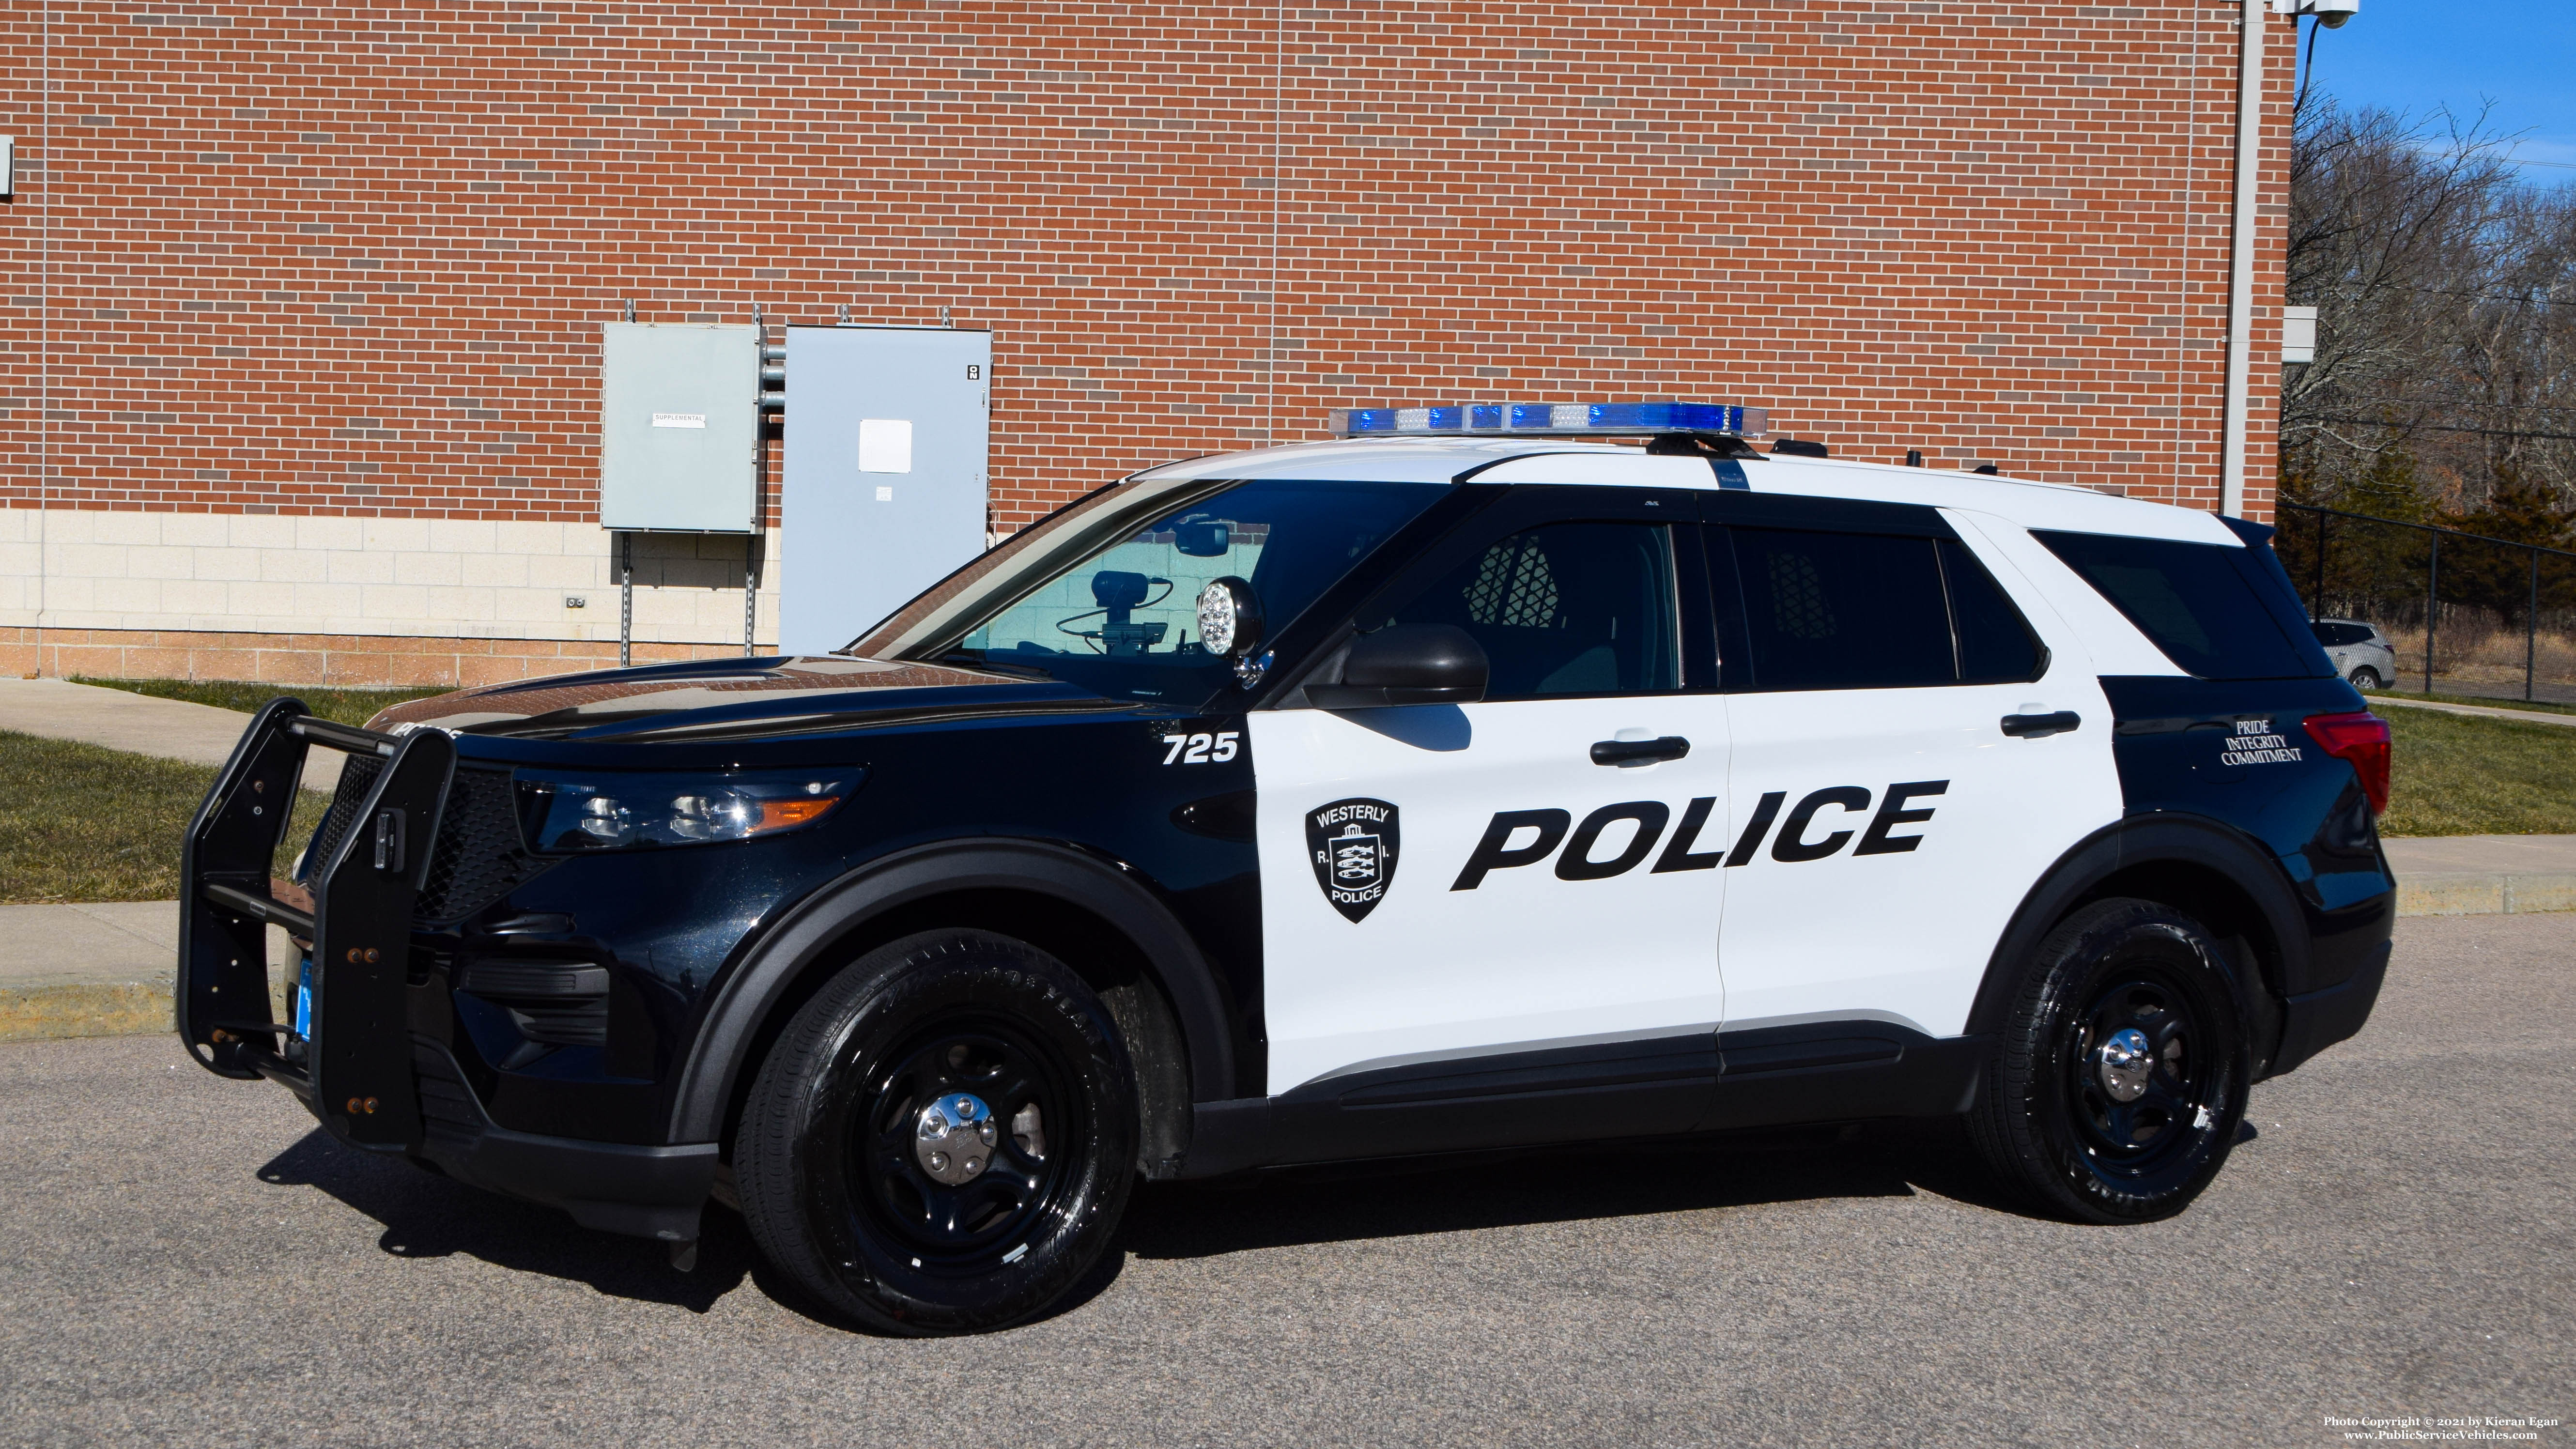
{"x": 2068, "y": 1125}
{"x": 2366, "y": 679}
{"x": 834, "y": 1162}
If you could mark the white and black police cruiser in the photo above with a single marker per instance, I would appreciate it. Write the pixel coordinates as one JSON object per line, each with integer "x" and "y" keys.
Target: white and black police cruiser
{"x": 1493, "y": 776}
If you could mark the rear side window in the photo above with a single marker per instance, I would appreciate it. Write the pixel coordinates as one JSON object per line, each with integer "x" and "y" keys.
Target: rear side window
{"x": 2335, "y": 636}
{"x": 1871, "y": 611}
{"x": 1843, "y": 610}
{"x": 2197, "y": 601}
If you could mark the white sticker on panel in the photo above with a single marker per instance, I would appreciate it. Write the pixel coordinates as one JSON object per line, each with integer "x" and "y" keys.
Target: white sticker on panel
{"x": 679, "y": 420}
{"x": 885, "y": 494}
{"x": 885, "y": 445}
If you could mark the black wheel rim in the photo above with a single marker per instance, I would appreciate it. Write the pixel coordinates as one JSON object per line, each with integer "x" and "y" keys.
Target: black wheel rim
{"x": 2145, "y": 1078}
{"x": 1020, "y": 1192}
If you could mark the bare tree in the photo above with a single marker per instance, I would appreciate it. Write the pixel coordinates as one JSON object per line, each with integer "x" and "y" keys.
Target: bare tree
{"x": 2443, "y": 285}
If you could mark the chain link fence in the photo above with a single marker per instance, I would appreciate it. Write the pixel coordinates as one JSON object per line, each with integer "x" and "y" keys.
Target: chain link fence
{"x": 2468, "y": 615}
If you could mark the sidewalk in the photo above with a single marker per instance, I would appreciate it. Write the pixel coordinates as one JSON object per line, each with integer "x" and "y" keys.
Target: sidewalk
{"x": 139, "y": 724}
{"x": 97, "y": 970}
{"x": 107, "y": 970}
{"x": 2483, "y": 875}
{"x": 2481, "y": 711}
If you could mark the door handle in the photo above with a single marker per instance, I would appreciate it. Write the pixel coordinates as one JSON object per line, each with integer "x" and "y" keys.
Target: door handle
{"x": 2040, "y": 726}
{"x": 1628, "y": 753}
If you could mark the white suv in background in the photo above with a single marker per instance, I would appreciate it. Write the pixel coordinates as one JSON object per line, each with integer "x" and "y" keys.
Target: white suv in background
{"x": 2361, "y": 654}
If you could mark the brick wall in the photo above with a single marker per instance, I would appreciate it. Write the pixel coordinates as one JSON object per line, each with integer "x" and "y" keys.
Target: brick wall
{"x": 348, "y": 262}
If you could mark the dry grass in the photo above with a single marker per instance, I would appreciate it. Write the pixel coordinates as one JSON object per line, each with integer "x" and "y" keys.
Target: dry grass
{"x": 2465, "y": 775}
{"x": 81, "y": 823}
{"x": 2475, "y": 652}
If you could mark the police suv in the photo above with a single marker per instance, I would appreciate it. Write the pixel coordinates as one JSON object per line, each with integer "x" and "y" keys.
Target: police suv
{"x": 1493, "y": 776}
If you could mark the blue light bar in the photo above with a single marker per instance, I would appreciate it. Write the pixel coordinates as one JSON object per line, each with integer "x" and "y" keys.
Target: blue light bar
{"x": 1625, "y": 420}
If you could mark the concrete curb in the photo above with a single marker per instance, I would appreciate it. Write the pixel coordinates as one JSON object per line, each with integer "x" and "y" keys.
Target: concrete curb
{"x": 41, "y": 1013}
{"x": 99, "y": 1008}
{"x": 99, "y": 969}
{"x": 2485, "y": 895}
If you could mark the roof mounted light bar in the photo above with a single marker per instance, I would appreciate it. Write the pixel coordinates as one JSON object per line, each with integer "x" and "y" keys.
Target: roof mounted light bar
{"x": 1617, "y": 420}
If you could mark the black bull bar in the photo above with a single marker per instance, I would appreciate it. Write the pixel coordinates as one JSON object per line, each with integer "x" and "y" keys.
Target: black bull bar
{"x": 354, "y": 1068}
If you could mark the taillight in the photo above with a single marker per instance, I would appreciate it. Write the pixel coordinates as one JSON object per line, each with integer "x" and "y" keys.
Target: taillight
{"x": 2363, "y": 740}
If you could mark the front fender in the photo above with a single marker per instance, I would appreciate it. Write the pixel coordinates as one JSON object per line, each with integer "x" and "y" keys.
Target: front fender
{"x": 752, "y": 991}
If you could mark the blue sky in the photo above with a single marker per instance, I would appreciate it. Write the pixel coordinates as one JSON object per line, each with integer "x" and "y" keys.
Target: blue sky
{"x": 2417, "y": 55}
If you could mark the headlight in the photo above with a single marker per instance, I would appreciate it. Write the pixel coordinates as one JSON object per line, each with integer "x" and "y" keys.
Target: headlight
{"x": 611, "y": 810}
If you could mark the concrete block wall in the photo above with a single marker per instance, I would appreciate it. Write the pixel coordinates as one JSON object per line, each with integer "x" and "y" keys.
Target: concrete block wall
{"x": 341, "y": 660}
{"x": 358, "y": 600}
{"x": 467, "y": 578}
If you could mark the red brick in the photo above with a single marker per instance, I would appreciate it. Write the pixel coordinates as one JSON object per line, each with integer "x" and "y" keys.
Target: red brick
{"x": 300, "y": 263}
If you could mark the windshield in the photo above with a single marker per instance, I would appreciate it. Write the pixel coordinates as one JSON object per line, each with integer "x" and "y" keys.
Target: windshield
{"x": 1104, "y": 593}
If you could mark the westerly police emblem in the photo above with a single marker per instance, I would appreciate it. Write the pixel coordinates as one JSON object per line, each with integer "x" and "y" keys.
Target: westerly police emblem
{"x": 1353, "y": 843}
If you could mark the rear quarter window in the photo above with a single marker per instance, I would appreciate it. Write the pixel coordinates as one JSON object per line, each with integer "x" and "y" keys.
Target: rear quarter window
{"x": 2204, "y": 604}
{"x": 1869, "y": 611}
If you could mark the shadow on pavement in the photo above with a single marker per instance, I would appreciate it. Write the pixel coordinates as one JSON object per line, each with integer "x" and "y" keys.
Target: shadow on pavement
{"x": 428, "y": 1216}
{"x": 1626, "y": 1178}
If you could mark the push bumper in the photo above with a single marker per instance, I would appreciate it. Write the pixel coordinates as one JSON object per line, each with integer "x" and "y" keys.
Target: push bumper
{"x": 352, "y": 1063}
{"x": 372, "y": 1082}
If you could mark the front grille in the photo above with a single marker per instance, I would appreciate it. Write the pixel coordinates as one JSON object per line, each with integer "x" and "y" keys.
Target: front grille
{"x": 357, "y": 775}
{"x": 478, "y": 856}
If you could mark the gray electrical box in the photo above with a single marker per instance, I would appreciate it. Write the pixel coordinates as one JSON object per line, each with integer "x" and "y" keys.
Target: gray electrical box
{"x": 679, "y": 426}
{"x": 886, "y": 473}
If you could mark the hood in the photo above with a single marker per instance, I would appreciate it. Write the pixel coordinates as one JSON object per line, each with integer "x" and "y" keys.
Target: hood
{"x": 736, "y": 699}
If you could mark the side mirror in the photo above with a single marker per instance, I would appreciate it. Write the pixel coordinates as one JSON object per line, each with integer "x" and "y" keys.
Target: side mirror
{"x": 1407, "y": 664}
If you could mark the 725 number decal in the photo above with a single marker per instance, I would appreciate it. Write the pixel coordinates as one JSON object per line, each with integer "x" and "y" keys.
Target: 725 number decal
{"x": 1201, "y": 749}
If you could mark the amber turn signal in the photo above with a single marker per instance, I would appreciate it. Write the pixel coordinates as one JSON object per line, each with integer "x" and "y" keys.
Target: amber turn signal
{"x": 781, "y": 814}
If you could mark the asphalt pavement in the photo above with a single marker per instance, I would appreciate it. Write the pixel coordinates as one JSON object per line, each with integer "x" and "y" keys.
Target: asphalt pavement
{"x": 187, "y": 1260}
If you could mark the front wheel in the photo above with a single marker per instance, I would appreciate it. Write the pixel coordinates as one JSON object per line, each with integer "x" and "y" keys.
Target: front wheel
{"x": 943, "y": 1138}
{"x": 2366, "y": 679}
{"x": 2121, "y": 1076}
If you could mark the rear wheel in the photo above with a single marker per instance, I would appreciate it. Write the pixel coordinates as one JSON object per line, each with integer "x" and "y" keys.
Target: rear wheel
{"x": 2121, "y": 1076}
{"x": 943, "y": 1138}
{"x": 2366, "y": 679}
